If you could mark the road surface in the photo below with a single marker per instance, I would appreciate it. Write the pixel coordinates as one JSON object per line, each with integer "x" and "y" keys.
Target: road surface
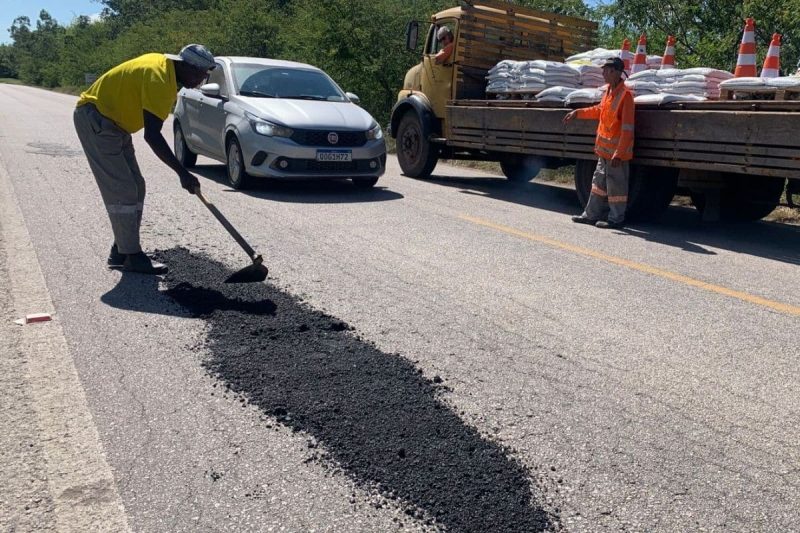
{"x": 447, "y": 354}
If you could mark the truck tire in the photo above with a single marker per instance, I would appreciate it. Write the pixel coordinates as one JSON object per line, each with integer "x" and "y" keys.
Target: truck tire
{"x": 745, "y": 198}
{"x": 416, "y": 155}
{"x": 650, "y": 189}
{"x": 520, "y": 168}
{"x": 584, "y": 171}
{"x": 650, "y": 192}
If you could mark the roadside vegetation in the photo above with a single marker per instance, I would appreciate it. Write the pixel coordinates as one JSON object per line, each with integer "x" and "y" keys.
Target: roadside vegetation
{"x": 360, "y": 43}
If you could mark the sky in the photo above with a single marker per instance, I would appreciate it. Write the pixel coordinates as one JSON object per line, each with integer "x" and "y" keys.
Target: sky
{"x": 64, "y": 11}
{"x": 61, "y": 10}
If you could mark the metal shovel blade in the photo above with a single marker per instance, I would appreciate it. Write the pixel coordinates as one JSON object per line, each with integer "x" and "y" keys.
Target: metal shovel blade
{"x": 255, "y": 273}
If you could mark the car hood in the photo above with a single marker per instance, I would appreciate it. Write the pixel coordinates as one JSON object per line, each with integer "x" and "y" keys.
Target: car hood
{"x": 309, "y": 114}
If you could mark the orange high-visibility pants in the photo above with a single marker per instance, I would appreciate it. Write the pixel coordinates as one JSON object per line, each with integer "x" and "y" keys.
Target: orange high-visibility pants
{"x": 609, "y": 192}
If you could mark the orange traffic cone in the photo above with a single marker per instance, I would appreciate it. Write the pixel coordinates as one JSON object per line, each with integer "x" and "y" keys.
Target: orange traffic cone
{"x": 626, "y": 55}
{"x": 640, "y": 60}
{"x": 772, "y": 64}
{"x": 668, "y": 61}
{"x": 746, "y": 64}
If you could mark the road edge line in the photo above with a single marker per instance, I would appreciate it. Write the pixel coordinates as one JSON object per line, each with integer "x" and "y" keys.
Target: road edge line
{"x": 80, "y": 480}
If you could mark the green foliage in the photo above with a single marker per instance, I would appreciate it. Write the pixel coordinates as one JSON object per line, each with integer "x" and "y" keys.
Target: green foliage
{"x": 708, "y": 32}
{"x": 361, "y": 43}
{"x": 8, "y": 61}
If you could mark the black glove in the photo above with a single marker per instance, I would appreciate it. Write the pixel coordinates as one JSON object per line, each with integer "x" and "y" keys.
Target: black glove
{"x": 189, "y": 182}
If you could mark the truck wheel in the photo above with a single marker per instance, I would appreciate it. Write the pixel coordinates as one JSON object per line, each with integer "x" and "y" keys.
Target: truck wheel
{"x": 182, "y": 152}
{"x": 745, "y": 198}
{"x": 584, "y": 171}
{"x": 650, "y": 192}
{"x": 650, "y": 189}
{"x": 520, "y": 168}
{"x": 415, "y": 154}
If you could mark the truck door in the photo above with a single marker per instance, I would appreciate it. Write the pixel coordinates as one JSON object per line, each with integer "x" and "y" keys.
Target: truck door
{"x": 437, "y": 78}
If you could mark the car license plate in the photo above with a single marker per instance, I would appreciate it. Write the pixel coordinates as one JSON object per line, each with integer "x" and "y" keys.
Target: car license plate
{"x": 339, "y": 156}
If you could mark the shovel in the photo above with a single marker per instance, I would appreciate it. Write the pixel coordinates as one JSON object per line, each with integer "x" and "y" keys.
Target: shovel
{"x": 254, "y": 273}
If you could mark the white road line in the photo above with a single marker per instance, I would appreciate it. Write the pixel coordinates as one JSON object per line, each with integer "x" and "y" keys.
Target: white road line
{"x": 80, "y": 480}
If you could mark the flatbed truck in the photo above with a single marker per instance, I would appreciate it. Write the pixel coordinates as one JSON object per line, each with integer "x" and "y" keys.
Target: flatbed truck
{"x": 732, "y": 156}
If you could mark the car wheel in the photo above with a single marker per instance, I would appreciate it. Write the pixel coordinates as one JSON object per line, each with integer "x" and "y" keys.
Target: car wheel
{"x": 365, "y": 183}
{"x": 182, "y": 152}
{"x": 236, "y": 172}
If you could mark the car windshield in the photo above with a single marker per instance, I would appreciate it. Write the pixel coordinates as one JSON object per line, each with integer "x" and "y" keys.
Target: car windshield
{"x": 281, "y": 82}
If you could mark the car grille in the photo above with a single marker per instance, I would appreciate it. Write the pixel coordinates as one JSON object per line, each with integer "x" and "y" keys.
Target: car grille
{"x": 347, "y": 139}
{"x": 312, "y": 166}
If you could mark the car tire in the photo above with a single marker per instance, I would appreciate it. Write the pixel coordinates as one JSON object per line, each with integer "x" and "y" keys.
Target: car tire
{"x": 237, "y": 175}
{"x": 186, "y": 157}
{"x": 365, "y": 183}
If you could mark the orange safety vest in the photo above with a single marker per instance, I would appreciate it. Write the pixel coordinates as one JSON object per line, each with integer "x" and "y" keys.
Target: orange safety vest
{"x": 615, "y": 130}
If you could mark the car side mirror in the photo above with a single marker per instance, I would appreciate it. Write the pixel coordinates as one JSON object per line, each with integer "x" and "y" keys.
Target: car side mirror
{"x": 412, "y": 35}
{"x": 353, "y": 98}
{"x": 210, "y": 89}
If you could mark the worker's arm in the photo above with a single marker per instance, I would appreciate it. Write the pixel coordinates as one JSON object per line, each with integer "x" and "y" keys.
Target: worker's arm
{"x": 157, "y": 143}
{"x": 587, "y": 113}
{"x": 625, "y": 147}
{"x": 444, "y": 54}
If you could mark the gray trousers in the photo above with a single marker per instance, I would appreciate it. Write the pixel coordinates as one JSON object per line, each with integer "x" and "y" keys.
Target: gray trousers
{"x": 109, "y": 150}
{"x": 609, "y": 192}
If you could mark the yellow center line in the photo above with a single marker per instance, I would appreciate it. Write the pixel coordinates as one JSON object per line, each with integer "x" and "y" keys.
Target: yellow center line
{"x": 788, "y": 309}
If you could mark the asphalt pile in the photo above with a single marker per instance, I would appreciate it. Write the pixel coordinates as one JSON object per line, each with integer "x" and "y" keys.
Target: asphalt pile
{"x": 372, "y": 415}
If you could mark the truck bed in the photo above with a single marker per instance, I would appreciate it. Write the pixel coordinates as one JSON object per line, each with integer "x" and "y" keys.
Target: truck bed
{"x": 758, "y": 137}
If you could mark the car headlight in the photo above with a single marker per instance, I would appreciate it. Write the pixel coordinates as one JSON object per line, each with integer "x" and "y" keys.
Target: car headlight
{"x": 375, "y": 133}
{"x": 269, "y": 129}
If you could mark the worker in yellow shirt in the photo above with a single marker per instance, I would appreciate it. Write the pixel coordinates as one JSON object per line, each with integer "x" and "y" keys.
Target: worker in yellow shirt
{"x": 136, "y": 94}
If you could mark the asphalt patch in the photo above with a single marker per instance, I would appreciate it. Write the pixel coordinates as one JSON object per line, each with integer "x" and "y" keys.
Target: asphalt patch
{"x": 370, "y": 414}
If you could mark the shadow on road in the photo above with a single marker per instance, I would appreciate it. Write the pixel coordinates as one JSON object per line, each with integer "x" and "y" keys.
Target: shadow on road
{"x": 322, "y": 191}
{"x": 680, "y": 227}
{"x": 369, "y": 414}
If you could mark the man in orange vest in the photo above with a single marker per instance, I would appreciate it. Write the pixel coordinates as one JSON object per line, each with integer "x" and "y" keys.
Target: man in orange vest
{"x": 614, "y": 147}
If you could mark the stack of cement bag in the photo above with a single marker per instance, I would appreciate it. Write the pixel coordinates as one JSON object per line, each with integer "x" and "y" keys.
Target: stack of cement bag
{"x": 658, "y": 99}
{"x": 585, "y": 96}
{"x": 557, "y": 94}
{"x": 701, "y": 82}
{"x": 598, "y": 56}
{"x": 761, "y": 85}
{"x": 502, "y": 78}
{"x": 590, "y": 75}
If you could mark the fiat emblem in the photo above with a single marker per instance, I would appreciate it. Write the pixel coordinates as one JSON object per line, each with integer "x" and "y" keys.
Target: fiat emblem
{"x": 333, "y": 137}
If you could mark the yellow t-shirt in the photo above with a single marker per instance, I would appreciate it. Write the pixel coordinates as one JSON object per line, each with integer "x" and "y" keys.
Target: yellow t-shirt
{"x": 124, "y": 92}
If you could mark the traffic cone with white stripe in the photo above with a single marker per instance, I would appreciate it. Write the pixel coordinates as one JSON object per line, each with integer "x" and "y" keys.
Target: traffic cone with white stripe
{"x": 626, "y": 55}
{"x": 772, "y": 64}
{"x": 640, "y": 59}
{"x": 746, "y": 64}
{"x": 668, "y": 61}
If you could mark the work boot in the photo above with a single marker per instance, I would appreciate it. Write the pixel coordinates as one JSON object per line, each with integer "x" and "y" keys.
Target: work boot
{"x": 583, "y": 220}
{"x": 115, "y": 259}
{"x": 608, "y": 224}
{"x": 142, "y": 264}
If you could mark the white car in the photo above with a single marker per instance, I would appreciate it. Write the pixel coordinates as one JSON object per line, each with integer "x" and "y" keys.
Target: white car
{"x": 278, "y": 119}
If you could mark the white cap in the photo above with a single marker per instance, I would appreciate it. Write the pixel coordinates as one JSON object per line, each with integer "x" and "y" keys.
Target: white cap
{"x": 442, "y": 31}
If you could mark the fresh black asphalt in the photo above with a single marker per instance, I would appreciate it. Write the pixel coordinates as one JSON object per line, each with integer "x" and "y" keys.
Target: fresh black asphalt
{"x": 372, "y": 415}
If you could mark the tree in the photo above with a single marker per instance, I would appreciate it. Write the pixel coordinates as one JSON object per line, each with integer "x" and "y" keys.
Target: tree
{"x": 707, "y": 31}
{"x": 8, "y": 61}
